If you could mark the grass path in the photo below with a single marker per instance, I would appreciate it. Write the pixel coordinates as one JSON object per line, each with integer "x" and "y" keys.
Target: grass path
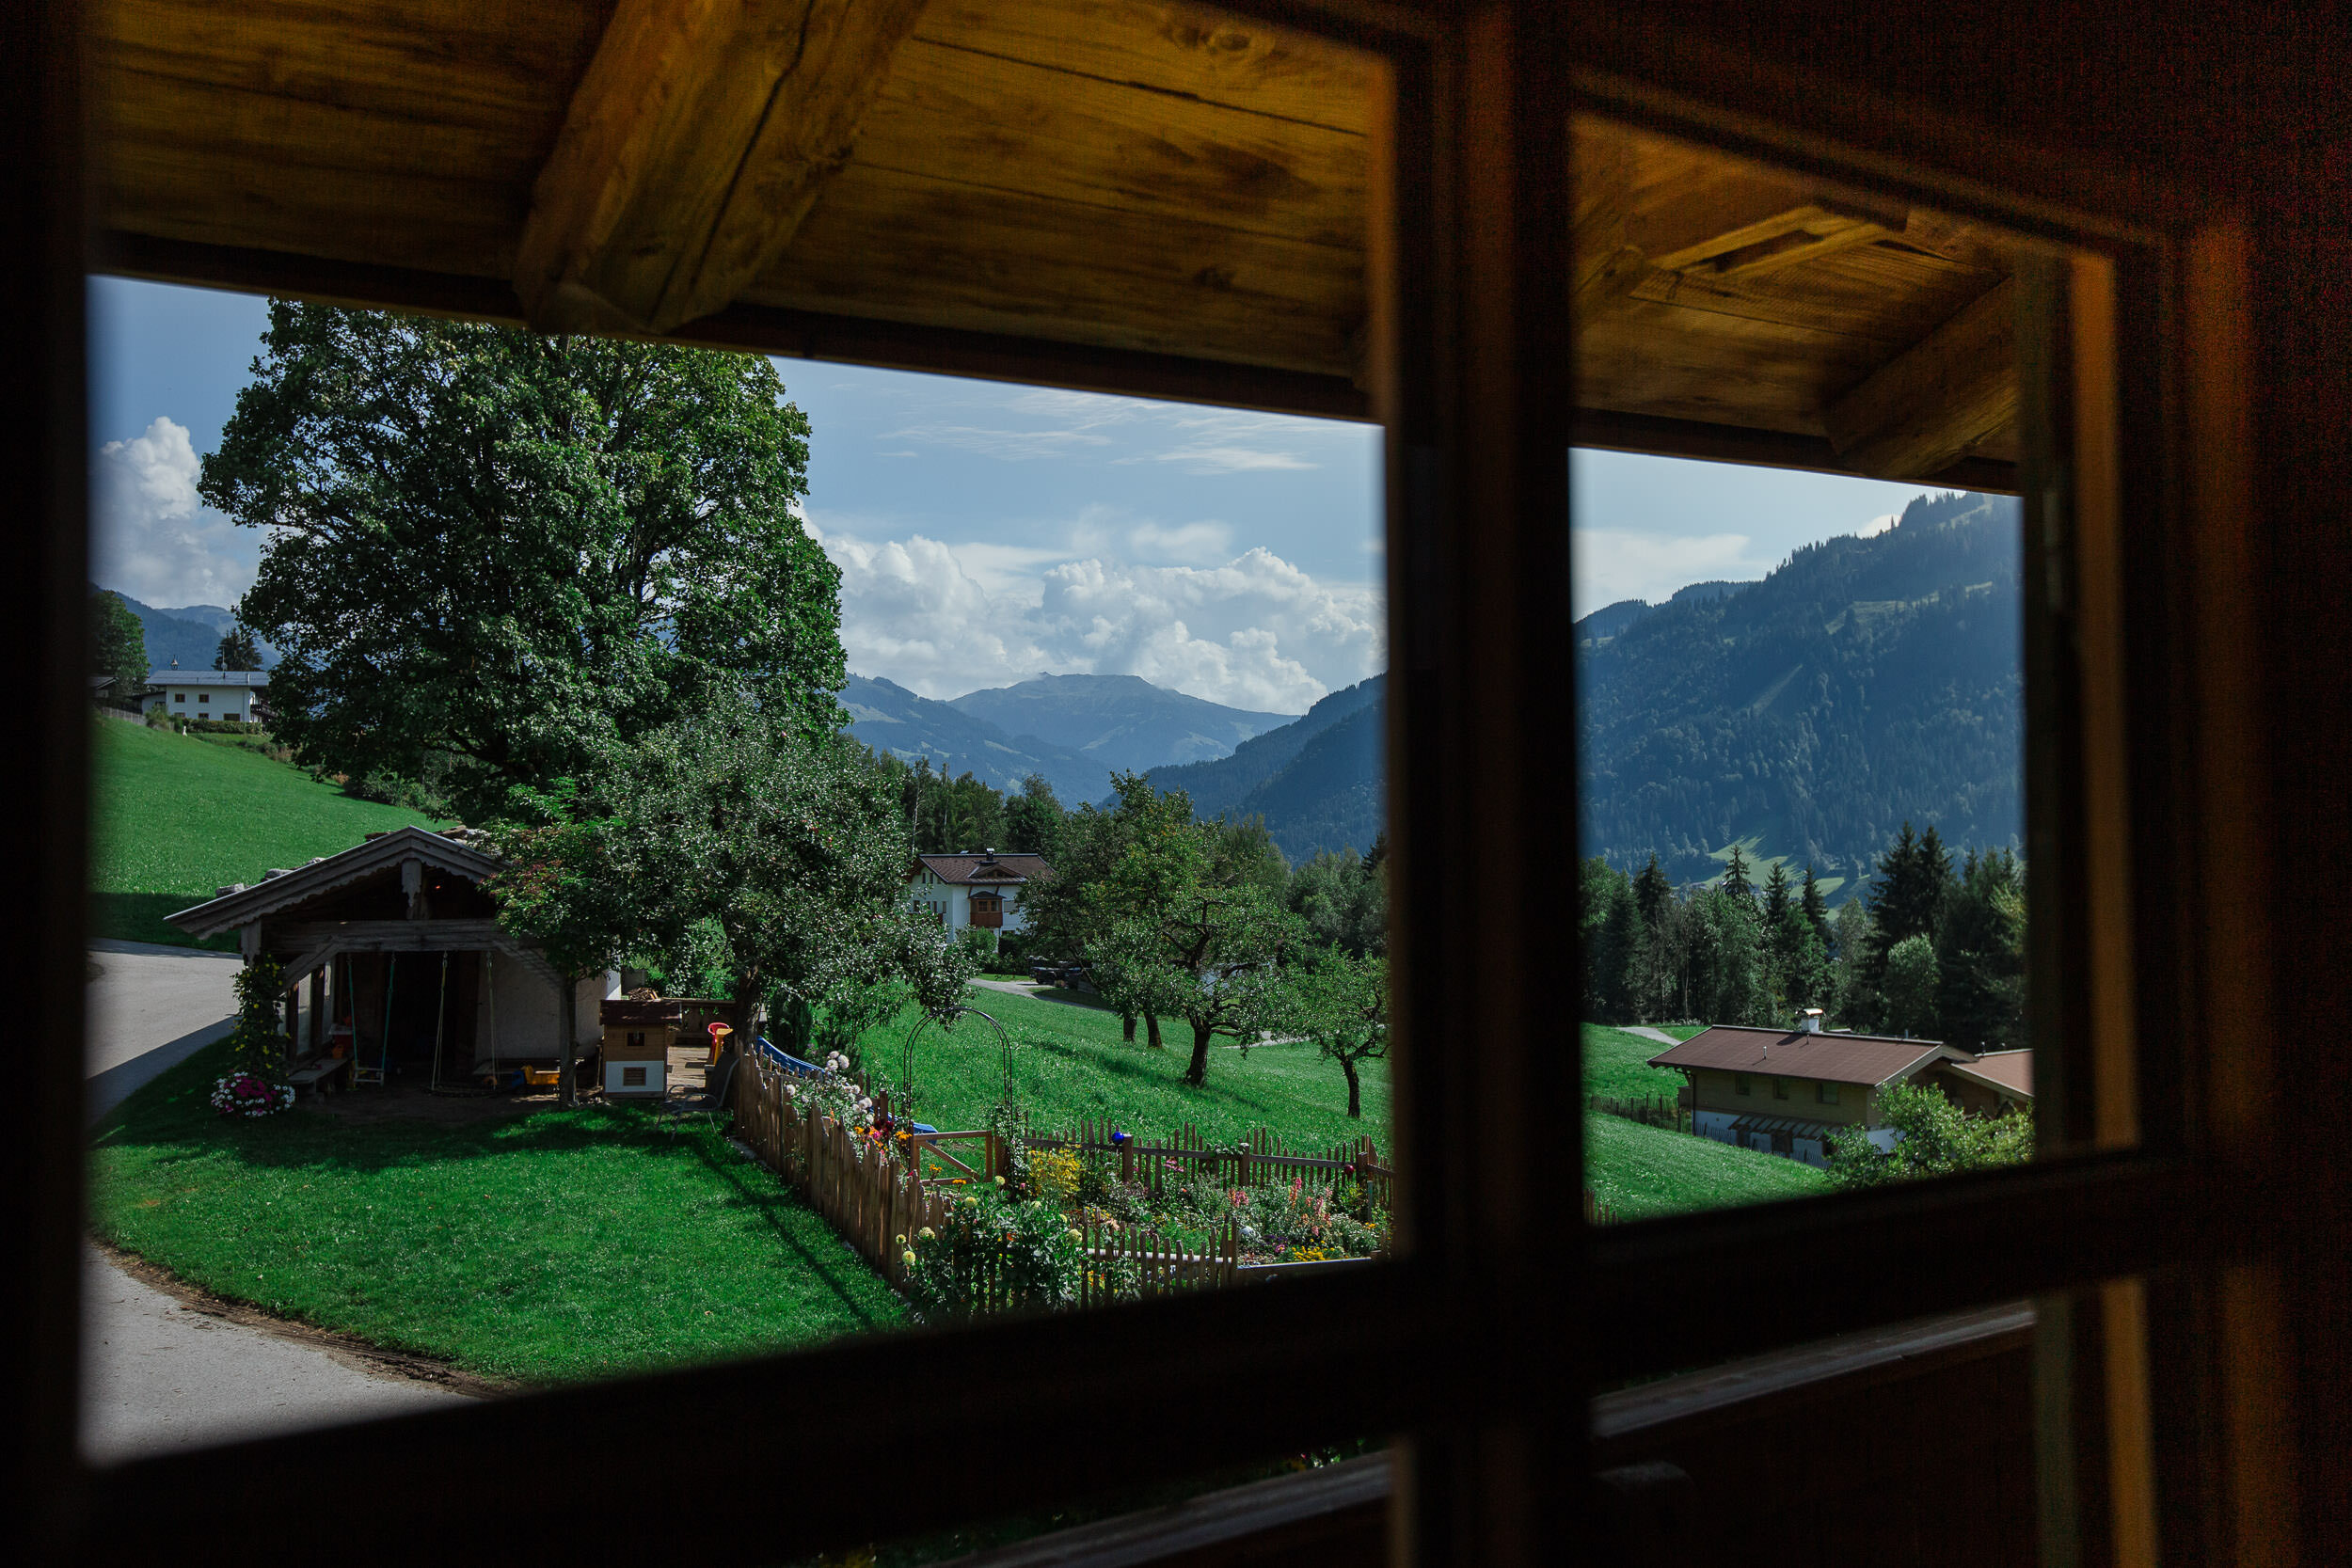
{"x": 175, "y": 817}
{"x": 539, "y": 1249}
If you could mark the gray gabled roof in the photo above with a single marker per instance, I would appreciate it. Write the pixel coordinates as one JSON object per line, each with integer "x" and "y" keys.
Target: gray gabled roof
{"x": 207, "y": 677}
{"x": 281, "y": 889}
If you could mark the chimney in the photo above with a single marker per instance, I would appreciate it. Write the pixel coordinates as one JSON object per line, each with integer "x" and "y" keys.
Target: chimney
{"x": 1812, "y": 1024}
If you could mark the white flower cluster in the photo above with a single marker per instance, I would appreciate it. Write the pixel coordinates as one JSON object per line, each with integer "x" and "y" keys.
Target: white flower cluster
{"x": 241, "y": 1094}
{"x": 832, "y": 1092}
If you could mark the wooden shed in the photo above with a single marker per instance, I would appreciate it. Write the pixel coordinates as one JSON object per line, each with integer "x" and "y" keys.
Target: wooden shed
{"x": 392, "y": 950}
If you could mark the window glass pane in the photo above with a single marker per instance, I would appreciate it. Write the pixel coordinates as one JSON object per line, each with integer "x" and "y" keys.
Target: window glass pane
{"x": 1801, "y": 694}
{"x": 1070, "y": 991}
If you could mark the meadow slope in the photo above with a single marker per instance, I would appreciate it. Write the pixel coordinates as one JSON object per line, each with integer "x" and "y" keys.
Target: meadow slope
{"x": 173, "y": 817}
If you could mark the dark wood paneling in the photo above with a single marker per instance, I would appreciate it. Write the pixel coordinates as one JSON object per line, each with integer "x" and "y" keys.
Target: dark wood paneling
{"x": 44, "y": 451}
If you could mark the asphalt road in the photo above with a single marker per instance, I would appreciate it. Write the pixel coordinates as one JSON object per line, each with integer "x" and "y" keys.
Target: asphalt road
{"x": 157, "y": 1375}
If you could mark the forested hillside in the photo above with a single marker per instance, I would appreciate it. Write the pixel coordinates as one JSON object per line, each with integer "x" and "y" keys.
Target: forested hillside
{"x": 1864, "y": 682}
{"x": 1316, "y": 781}
{"x": 896, "y": 722}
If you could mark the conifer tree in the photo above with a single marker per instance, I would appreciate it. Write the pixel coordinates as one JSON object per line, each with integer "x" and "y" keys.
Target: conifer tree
{"x": 1652, "y": 892}
{"x": 1815, "y": 908}
{"x": 1980, "y": 954}
{"x": 1736, "y": 883}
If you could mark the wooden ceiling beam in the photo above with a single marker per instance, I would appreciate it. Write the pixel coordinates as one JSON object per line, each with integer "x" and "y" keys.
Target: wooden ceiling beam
{"x": 696, "y": 142}
{"x": 1607, "y": 263}
{"x": 1731, "y": 224}
{"x": 1931, "y": 403}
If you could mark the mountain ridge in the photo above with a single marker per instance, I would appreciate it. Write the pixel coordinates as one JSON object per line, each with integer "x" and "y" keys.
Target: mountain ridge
{"x": 1123, "y": 722}
{"x": 888, "y": 718}
{"x": 191, "y": 634}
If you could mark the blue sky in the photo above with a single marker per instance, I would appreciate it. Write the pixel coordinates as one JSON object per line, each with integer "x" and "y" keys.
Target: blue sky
{"x": 990, "y": 532}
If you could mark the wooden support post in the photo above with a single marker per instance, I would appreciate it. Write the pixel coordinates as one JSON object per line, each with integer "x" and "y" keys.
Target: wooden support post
{"x": 566, "y": 1010}
{"x": 318, "y": 1010}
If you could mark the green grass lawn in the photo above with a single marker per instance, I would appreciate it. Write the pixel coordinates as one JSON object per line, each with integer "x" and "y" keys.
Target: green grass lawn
{"x": 176, "y": 817}
{"x": 1640, "y": 1172}
{"x": 1617, "y": 1064}
{"x": 540, "y": 1248}
{"x": 1069, "y": 1063}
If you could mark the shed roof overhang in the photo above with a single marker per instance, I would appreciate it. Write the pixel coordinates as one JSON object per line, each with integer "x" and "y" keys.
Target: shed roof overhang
{"x": 280, "y": 896}
{"x": 1158, "y": 200}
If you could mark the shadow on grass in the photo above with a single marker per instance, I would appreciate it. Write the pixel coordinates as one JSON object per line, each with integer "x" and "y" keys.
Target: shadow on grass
{"x": 174, "y": 1113}
{"x": 139, "y": 918}
{"x": 772, "y": 1199}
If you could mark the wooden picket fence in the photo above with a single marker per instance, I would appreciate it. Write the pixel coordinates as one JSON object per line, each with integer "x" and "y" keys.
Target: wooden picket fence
{"x": 1125, "y": 1261}
{"x": 1595, "y": 1212}
{"x": 1663, "y": 1110}
{"x": 873, "y": 1193}
{"x": 1260, "y": 1160}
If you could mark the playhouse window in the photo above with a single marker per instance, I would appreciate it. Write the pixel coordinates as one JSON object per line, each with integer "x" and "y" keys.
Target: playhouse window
{"x": 632, "y": 1078}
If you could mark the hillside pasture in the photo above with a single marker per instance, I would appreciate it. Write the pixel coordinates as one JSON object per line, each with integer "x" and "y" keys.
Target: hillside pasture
{"x": 1617, "y": 1064}
{"x": 175, "y": 816}
{"x": 1071, "y": 1065}
{"x": 1642, "y": 1172}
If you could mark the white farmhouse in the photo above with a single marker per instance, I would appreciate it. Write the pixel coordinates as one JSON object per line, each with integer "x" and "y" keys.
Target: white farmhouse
{"x": 208, "y": 693}
{"x": 979, "y": 887}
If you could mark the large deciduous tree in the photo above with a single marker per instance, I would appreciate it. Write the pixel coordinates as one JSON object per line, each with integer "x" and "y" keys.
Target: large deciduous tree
{"x": 1063, "y": 924}
{"x": 494, "y": 557}
{"x": 730, "y": 842}
{"x": 1188, "y": 920}
{"x": 118, "y": 647}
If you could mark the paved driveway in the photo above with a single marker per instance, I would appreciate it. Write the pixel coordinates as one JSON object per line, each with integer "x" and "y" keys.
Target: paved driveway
{"x": 156, "y": 1374}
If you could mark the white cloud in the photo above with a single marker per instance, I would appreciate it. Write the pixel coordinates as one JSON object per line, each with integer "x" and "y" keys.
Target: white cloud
{"x": 152, "y": 537}
{"x": 1228, "y": 441}
{"x": 1027, "y": 425}
{"x": 1205, "y": 459}
{"x": 1618, "y": 563}
{"x": 1196, "y": 542}
{"x": 1877, "y": 526}
{"x": 1010, "y": 446}
{"x": 1254, "y": 631}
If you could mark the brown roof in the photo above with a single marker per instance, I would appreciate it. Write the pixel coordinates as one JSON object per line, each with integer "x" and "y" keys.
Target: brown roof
{"x": 984, "y": 871}
{"x": 1838, "y": 1057}
{"x": 2010, "y": 1070}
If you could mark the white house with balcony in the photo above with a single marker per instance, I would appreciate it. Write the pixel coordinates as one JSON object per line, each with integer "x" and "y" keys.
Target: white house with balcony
{"x": 207, "y": 693}
{"x": 979, "y": 887}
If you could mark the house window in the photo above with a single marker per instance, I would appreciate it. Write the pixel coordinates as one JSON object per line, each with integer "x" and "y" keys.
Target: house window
{"x": 632, "y": 1078}
{"x": 203, "y": 697}
{"x": 636, "y": 1041}
{"x": 1780, "y": 1088}
{"x": 179, "y": 696}
{"x": 1739, "y": 1083}
{"x": 1826, "y": 1093}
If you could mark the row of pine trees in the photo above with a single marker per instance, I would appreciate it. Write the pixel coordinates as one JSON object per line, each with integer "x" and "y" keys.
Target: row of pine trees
{"x": 1930, "y": 949}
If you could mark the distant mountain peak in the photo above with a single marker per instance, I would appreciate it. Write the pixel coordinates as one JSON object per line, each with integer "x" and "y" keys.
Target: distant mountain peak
{"x": 1123, "y": 722}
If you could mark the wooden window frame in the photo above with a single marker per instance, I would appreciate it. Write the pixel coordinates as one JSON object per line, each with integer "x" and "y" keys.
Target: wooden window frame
{"x": 2139, "y": 1232}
